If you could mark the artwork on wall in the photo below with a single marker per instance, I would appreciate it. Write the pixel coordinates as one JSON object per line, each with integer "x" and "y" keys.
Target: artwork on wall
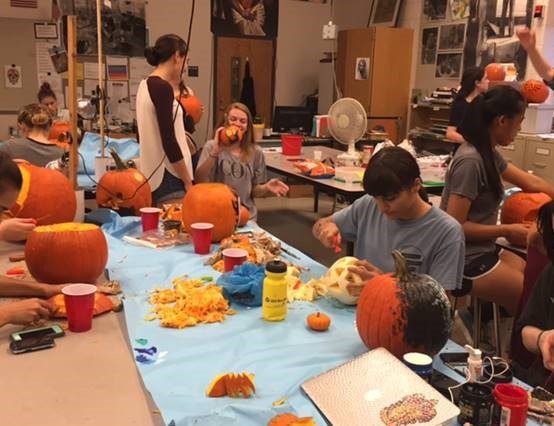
{"x": 385, "y": 12}
{"x": 362, "y": 69}
{"x": 490, "y": 35}
{"x": 429, "y": 37}
{"x": 245, "y": 18}
{"x": 459, "y": 9}
{"x": 449, "y": 65}
{"x": 12, "y": 77}
{"x": 434, "y": 10}
{"x": 452, "y": 36}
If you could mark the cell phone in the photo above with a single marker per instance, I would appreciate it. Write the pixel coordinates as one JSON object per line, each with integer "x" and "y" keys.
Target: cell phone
{"x": 31, "y": 344}
{"x": 51, "y": 330}
{"x": 454, "y": 358}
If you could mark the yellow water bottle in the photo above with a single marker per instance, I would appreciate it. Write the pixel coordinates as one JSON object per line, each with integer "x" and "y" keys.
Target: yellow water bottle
{"x": 274, "y": 302}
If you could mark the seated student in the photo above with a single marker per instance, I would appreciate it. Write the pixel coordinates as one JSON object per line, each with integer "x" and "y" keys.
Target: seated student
{"x": 17, "y": 229}
{"x": 536, "y": 323}
{"x": 24, "y": 312}
{"x": 240, "y": 165}
{"x": 473, "y": 192}
{"x": 474, "y": 83}
{"x": 35, "y": 147}
{"x": 393, "y": 216}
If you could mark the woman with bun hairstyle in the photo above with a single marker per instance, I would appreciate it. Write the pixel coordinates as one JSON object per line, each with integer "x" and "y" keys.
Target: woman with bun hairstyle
{"x": 164, "y": 153}
{"x": 36, "y": 147}
{"x": 47, "y": 97}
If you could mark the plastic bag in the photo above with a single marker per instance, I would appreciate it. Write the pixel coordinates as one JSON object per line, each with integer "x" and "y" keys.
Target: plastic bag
{"x": 244, "y": 284}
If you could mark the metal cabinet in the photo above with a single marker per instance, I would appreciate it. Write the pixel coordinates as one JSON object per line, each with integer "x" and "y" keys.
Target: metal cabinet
{"x": 539, "y": 157}
{"x": 515, "y": 152}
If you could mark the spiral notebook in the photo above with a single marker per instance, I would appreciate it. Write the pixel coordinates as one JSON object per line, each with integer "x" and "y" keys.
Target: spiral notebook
{"x": 377, "y": 389}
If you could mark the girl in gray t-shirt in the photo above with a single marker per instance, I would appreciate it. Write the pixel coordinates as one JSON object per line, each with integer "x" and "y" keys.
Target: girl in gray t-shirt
{"x": 473, "y": 192}
{"x": 240, "y": 165}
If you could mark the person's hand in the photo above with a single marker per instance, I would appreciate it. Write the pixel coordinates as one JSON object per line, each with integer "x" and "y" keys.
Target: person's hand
{"x": 217, "y": 146}
{"x": 527, "y": 38}
{"x": 546, "y": 346}
{"x": 365, "y": 270}
{"x": 276, "y": 187}
{"x": 25, "y": 311}
{"x": 330, "y": 235}
{"x": 16, "y": 229}
{"x": 50, "y": 290}
{"x": 517, "y": 233}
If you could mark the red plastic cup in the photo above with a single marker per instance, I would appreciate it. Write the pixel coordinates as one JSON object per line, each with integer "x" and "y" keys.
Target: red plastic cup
{"x": 233, "y": 257}
{"x": 79, "y": 303}
{"x": 150, "y": 217}
{"x": 202, "y": 237}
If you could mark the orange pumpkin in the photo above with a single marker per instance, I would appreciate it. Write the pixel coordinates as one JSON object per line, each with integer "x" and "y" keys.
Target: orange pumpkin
{"x": 102, "y": 303}
{"x": 193, "y": 106}
{"x": 45, "y": 195}
{"x": 403, "y": 312}
{"x": 535, "y": 91}
{"x": 495, "y": 72}
{"x": 233, "y": 385}
{"x": 318, "y": 321}
{"x": 123, "y": 188}
{"x": 66, "y": 253}
{"x": 212, "y": 203}
{"x": 244, "y": 215}
{"x": 289, "y": 419}
{"x": 230, "y": 134}
{"x": 58, "y": 133}
{"x": 522, "y": 207}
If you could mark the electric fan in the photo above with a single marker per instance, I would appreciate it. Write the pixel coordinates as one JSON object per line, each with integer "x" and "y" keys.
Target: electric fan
{"x": 347, "y": 124}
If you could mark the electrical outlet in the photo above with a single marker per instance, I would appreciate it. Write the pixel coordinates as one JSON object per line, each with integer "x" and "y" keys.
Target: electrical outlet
{"x": 329, "y": 31}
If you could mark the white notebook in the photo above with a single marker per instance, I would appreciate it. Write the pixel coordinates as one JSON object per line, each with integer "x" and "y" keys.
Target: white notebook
{"x": 378, "y": 389}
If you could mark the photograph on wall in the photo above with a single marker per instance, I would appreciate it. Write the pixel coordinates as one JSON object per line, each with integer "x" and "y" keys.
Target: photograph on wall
{"x": 362, "y": 69}
{"x": 448, "y": 65}
{"x": 385, "y": 12}
{"x": 490, "y": 35}
{"x": 429, "y": 37}
{"x": 434, "y": 10}
{"x": 12, "y": 77}
{"x": 459, "y": 9}
{"x": 245, "y": 18}
{"x": 123, "y": 26}
{"x": 58, "y": 56}
{"x": 452, "y": 37}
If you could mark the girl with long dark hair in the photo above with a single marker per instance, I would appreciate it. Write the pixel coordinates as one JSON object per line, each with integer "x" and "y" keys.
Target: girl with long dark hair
{"x": 473, "y": 192}
{"x": 393, "y": 215}
{"x": 474, "y": 83}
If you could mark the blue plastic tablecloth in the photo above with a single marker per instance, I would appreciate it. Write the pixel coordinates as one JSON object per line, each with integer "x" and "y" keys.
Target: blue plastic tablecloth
{"x": 282, "y": 355}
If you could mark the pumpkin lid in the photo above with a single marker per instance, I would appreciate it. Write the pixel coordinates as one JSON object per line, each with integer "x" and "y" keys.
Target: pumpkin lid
{"x": 276, "y": 267}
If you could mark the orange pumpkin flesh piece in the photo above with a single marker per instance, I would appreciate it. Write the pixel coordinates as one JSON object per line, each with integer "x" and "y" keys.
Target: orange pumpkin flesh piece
{"x": 66, "y": 253}
{"x": 102, "y": 303}
{"x": 289, "y": 419}
{"x": 234, "y": 385}
{"x": 318, "y": 321}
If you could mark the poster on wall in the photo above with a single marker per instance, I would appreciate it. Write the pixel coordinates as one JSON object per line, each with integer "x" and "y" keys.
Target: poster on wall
{"x": 429, "y": 38}
{"x": 245, "y": 18}
{"x": 362, "y": 69}
{"x": 452, "y": 36}
{"x": 385, "y": 12}
{"x": 490, "y": 35}
{"x": 12, "y": 77}
{"x": 459, "y": 9}
{"x": 449, "y": 65}
{"x": 434, "y": 10}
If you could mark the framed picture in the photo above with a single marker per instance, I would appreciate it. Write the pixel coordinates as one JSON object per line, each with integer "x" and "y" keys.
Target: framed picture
{"x": 245, "y": 18}
{"x": 47, "y": 30}
{"x": 385, "y": 12}
{"x": 429, "y": 37}
{"x": 449, "y": 65}
{"x": 452, "y": 36}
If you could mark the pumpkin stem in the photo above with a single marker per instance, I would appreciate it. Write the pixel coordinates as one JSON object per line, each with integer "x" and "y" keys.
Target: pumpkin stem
{"x": 118, "y": 161}
{"x": 400, "y": 266}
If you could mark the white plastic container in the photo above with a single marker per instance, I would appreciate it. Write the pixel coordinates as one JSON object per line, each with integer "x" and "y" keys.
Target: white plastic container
{"x": 538, "y": 119}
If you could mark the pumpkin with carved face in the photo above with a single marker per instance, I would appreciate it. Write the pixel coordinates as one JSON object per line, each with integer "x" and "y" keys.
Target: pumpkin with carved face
{"x": 339, "y": 280}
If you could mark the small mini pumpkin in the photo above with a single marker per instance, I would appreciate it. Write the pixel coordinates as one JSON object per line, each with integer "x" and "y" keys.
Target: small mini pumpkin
{"x": 495, "y": 72}
{"x": 123, "y": 188}
{"x": 404, "y": 312}
{"x": 193, "y": 106}
{"x": 230, "y": 134}
{"x": 535, "y": 91}
{"x": 318, "y": 321}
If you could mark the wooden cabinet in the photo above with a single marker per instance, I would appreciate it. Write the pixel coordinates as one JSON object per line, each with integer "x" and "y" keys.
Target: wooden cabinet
{"x": 384, "y": 87}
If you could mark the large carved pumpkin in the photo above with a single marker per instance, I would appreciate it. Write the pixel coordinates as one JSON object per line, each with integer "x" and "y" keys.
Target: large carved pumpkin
{"x": 495, "y": 72}
{"x": 230, "y": 134}
{"x": 404, "y": 312}
{"x": 45, "y": 195}
{"x": 193, "y": 106}
{"x": 522, "y": 207}
{"x": 123, "y": 188}
{"x": 66, "y": 253}
{"x": 212, "y": 203}
{"x": 59, "y": 133}
{"x": 535, "y": 91}
{"x": 339, "y": 279}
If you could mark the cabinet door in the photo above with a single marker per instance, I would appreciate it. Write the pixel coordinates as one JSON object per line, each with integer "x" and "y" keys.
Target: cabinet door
{"x": 539, "y": 158}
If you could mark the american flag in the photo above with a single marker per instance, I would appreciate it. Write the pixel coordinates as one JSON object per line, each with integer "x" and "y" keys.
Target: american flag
{"x": 31, "y": 4}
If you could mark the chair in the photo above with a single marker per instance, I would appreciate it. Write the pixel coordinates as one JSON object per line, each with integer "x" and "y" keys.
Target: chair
{"x": 477, "y": 309}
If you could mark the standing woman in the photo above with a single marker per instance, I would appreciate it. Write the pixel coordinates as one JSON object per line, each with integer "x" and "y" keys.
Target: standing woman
{"x": 164, "y": 154}
{"x": 240, "y": 165}
{"x": 474, "y": 83}
{"x": 60, "y": 117}
{"x": 473, "y": 192}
